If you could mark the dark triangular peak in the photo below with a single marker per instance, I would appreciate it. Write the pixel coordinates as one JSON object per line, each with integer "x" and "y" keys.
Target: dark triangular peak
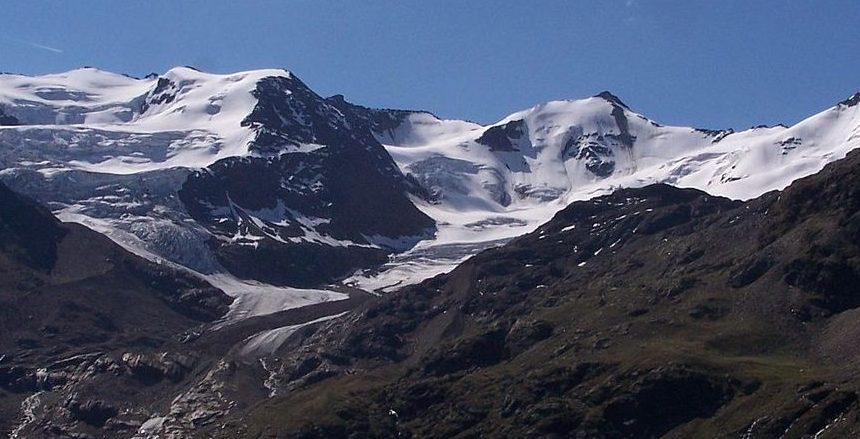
{"x": 611, "y": 98}
{"x": 505, "y": 137}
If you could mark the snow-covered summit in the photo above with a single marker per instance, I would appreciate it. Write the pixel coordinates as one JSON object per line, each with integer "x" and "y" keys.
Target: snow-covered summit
{"x": 88, "y": 90}
{"x": 611, "y": 98}
{"x": 490, "y": 183}
{"x": 569, "y": 148}
{"x": 536, "y": 155}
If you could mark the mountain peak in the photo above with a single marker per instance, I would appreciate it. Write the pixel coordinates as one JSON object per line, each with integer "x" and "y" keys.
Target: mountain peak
{"x": 611, "y": 98}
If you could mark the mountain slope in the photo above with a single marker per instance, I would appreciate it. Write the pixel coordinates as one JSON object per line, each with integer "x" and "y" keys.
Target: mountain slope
{"x": 652, "y": 312}
{"x": 69, "y": 296}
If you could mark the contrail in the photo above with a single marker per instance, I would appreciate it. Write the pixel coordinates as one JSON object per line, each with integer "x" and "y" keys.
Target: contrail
{"x": 42, "y": 46}
{"x": 37, "y": 45}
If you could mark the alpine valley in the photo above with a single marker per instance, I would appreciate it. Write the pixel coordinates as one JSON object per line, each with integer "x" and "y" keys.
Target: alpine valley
{"x": 203, "y": 255}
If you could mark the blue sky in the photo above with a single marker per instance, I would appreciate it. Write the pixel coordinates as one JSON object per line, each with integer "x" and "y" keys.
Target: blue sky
{"x": 715, "y": 64}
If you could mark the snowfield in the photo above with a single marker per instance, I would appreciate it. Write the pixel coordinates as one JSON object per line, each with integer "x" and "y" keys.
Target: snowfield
{"x": 97, "y": 121}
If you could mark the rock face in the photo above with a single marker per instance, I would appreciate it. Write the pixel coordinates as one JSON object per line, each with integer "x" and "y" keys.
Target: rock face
{"x": 504, "y": 138}
{"x": 647, "y": 313}
{"x": 28, "y": 231}
{"x": 382, "y": 122}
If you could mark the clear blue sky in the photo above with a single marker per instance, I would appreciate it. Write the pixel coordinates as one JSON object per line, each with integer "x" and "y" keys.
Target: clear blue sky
{"x": 715, "y": 64}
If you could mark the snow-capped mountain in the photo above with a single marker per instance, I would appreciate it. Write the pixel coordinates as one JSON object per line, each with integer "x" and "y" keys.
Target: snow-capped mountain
{"x": 254, "y": 175}
{"x": 565, "y": 150}
{"x": 249, "y": 173}
{"x": 491, "y": 183}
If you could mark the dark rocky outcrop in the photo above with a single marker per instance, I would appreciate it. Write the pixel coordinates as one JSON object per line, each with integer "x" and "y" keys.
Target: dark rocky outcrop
{"x": 380, "y": 121}
{"x": 7, "y": 120}
{"x": 28, "y": 231}
{"x": 851, "y": 101}
{"x": 503, "y": 138}
{"x": 95, "y": 413}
